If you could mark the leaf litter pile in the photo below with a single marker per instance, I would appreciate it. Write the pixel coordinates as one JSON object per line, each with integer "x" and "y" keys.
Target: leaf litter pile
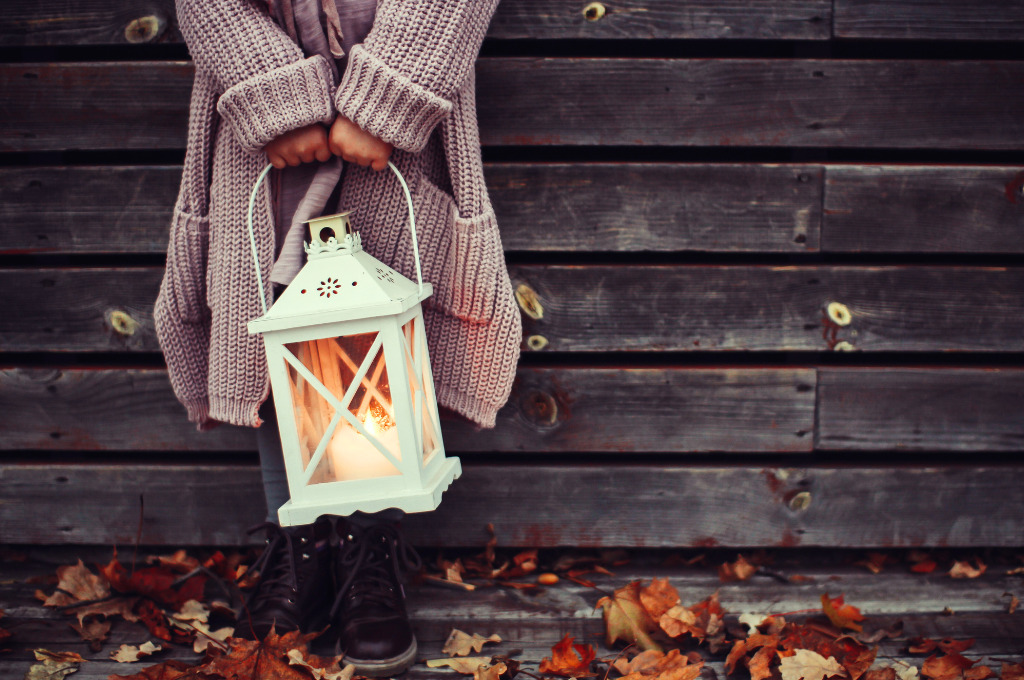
{"x": 653, "y": 633}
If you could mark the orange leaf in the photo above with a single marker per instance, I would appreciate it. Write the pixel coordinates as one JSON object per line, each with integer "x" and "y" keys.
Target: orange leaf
{"x": 1012, "y": 671}
{"x": 841, "y": 615}
{"x": 168, "y": 670}
{"x": 658, "y": 597}
{"x": 625, "y": 617}
{"x": 952, "y": 666}
{"x": 740, "y": 570}
{"x": 569, "y": 660}
{"x": 245, "y": 659}
{"x": 921, "y": 645}
{"x": 965, "y": 570}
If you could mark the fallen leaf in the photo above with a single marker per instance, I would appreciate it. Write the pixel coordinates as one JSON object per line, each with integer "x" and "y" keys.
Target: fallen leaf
{"x": 94, "y": 631}
{"x": 751, "y": 621}
{"x": 246, "y": 659}
{"x": 168, "y": 670}
{"x": 461, "y": 644}
{"x": 760, "y": 663}
{"x": 55, "y": 665}
{"x": 887, "y": 673}
{"x": 466, "y": 665}
{"x": 924, "y": 567}
{"x": 77, "y": 584}
{"x": 908, "y": 673}
{"x": 965, "y": 570}
{"x": 192, "y": 610}
{"x": 874, "y": 563}
{"x": 331, "y": 671}
{"x": 658, "y": 597}
{"x": 653, "y": 665}
{"x": 205, "y": 636}
{"x": 625, "y": 618}
{"x": 921, "y": 645}
{"x": 678, "y": 621}
{"x": 131, "y": 653}
{"x": 753, "y": 642}
{"x": 893, "y": 631}
{"x": 740, "y": 570}
{"x": 952, "y": 666}
{"x": 1012, "y": 671}
{"x": 1014, "y": 603}
{"x": 179, "y": 561}
{"x": 643, "y": 660}
{"x": 808, "y": 665}
{"x": 569, "y": 660}
{"x": 495, "y": 672}
{"x": 841, "y": 615}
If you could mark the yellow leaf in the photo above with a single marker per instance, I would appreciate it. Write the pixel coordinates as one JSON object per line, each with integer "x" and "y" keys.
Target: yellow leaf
{"x": 467, "y": 665}
{"x": 809, "y": 665}
{"x": 461, "y": 644}
{"x": 625, "y": 618}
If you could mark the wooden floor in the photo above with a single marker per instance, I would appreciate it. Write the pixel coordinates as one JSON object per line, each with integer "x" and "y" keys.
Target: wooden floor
{"x": 929, "y": 605}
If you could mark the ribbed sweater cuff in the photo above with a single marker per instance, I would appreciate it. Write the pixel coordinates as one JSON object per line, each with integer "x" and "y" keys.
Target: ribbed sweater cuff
{"x": 198, "y": 413}
{"x": 388, "y": 104}
{"x": 241, "y": 412}
{"x": 481, "y": 412}
{"x": 266, "y": 106}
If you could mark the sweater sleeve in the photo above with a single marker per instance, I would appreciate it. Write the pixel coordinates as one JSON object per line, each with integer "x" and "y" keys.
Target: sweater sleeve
{"x": 267, "y": 85}
{"x": 400, "y": 82}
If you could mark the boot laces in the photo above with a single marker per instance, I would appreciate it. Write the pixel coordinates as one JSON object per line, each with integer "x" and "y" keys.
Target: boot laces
{"x": 373, "y": 561}
{"x": 276, "y": 565}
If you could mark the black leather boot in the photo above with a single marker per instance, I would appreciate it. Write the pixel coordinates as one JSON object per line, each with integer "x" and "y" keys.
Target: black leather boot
{"x": 369, "y": 612}
{"x": 296, "y": 580}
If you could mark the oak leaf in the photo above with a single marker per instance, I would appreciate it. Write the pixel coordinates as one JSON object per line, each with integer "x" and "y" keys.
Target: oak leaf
{"x": 131, "y": 653}
{"x": 841, "y": 615}
{"x": 625, "y": 617}
{"x": 461, "y": 644}
{"x": 569, "y": 660}
{"x": 658, "y": 597}
{"x": 806, "y": 664}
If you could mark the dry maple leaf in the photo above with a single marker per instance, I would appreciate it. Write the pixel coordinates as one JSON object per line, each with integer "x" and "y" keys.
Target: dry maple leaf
{"x": 569, "y": 660}
{"x": 658, "y": 597}
{"x": 809, "y": 665}
{"x": 965, "y": 570}
{"x": 76, "y": 583}
{"x": 461, "y": 644}
{"x": 625, "y": 617}
{"x": 658, "y": 666}
{"x": 93, "y": 631}
{"x": 887, "y": 673}
{"x": 742, "y": 647}
{"x": 740, "y": 570}
{"x": 841, "y": 615}
{"x": 247, "y": 659}
{"x": 205, "y": 637}
{"x": 874, "y": 563}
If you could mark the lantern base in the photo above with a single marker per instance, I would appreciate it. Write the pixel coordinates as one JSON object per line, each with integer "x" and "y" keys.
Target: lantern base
{"x": 417, "y": 500}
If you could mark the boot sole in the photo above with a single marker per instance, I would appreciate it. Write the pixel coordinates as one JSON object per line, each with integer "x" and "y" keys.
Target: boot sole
{"x": 379, "y": 668}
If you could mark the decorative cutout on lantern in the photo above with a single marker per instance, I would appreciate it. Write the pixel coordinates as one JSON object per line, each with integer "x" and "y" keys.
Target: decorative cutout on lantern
{"x": 352, "y": 385}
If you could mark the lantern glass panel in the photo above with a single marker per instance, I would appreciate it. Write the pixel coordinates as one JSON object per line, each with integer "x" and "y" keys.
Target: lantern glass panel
{"x": 351, "y": 370}
{"x": 419, "y": 385}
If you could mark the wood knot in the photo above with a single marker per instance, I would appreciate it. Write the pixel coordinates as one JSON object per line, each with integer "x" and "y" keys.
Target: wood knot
{"x": 529, "y": 302}
{"x": 594, "y": 11}
{"x": 540, "y": 408}
{"x": 122, "y": 323}
{"x": 536, "y": 342}
{"x": 143, "y": 30}
{"x": 800, "y": 501}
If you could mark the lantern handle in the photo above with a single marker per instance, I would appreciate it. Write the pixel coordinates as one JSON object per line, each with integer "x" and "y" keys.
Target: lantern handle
{"x": 252, "y": 234}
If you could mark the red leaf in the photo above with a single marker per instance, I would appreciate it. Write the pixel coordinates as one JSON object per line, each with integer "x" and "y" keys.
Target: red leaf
{"x": 569, "y": 660}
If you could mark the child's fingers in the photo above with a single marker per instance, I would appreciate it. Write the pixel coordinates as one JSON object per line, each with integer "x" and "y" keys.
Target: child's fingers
{"x": 323, "y": 153}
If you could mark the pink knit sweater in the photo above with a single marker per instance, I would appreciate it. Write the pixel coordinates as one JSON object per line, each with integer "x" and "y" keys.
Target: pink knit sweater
{"x": 411, "y": 83}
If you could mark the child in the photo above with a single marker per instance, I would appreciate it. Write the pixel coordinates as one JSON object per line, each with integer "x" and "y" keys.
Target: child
{"x": 296, "y": 83}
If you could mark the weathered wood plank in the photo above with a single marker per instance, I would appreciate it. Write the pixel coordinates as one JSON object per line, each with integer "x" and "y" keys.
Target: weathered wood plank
{"x": 124, "y": 22}
{"x": 920, "y": 409}
{"x": 596, "y": 308}
{"x": 929, "y": 19}
{"x": 894, "y": 208}
{"x": 541, "y": 207}
{"x": 621, "y": 207}
{"x": 669, "y": 102}
{"x": 547, "y": 505}
{"x": 570, "y": 410}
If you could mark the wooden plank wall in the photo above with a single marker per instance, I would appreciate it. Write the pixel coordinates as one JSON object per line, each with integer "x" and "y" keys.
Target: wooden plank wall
{"x": 683, "y": 189}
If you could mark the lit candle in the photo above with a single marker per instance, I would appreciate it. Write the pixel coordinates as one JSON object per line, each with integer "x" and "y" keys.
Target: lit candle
{"x": 353, "y": 456}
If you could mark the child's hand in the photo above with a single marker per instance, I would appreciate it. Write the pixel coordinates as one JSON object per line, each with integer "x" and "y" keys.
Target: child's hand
{"x": 303, "y": 145}
{"x": 356, "y": 145}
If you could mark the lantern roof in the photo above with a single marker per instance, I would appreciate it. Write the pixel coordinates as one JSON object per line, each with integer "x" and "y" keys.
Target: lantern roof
{"x": 340, "y": 282}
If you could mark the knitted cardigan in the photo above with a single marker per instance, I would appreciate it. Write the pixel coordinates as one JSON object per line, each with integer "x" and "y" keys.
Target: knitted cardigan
{"x": 411, "y": 83}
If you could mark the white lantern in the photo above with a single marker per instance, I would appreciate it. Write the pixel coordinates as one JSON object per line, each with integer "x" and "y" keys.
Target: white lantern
{"x": 351, "y": 380}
